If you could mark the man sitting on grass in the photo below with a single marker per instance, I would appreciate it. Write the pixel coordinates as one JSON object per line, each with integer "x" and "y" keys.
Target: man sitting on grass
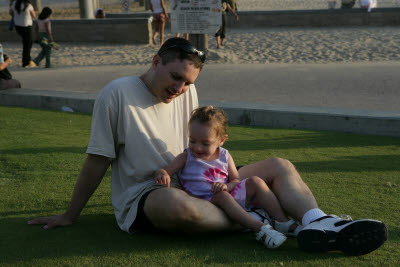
{"x": 140, "y": 123}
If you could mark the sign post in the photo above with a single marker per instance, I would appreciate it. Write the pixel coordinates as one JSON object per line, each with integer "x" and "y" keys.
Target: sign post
{"x": 86, "y": 9}
{"x": 196, "y": 17}
{"x": 37, "y": 5}
{"x": 125, "y": 6}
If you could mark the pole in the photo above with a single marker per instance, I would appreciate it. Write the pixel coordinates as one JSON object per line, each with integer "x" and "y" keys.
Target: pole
{"x": 96, "y": 4}
{"x": 200, "y": 41}
{"x": 86, "y": 9}
{"x": 37, "y": 5}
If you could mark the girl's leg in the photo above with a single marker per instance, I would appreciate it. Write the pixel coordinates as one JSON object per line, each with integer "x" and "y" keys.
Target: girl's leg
{"x": 218, "y": 41}
{"x": 47, "y": 54}
{"x": 156, "y": 29}
{"x": 162, "y": 26}
{"x": 223, "y": 29}
{"x": 225, "y": 201}
{"x": 43, "y": 46}
{"x": 48, "y": 60}
{"x": 258, "y": 190}
{"x": 39, "y": 57}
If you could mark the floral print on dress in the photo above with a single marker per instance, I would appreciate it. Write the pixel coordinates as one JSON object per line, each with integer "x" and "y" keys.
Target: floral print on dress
{"x": 215, "y": 175}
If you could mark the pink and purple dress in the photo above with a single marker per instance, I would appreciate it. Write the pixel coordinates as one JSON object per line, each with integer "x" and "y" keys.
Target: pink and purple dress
{"x": 198, "y": 176}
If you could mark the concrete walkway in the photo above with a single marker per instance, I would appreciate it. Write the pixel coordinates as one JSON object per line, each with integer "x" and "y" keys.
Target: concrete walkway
{"x": 360, "y": 98}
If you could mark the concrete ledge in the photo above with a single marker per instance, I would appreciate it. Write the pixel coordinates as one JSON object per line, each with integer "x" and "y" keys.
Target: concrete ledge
{"x": 133, "y": 30}
{"x": 250, "y": 114}
{"x": 302, "y": 18}
{"x": 316, "y": 18}
{"x": 54, "y": 100}
{"x": 312, "y": 118}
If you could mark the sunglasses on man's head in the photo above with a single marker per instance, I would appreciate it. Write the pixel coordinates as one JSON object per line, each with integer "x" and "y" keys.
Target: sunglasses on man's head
{"x": 186, "y": 48}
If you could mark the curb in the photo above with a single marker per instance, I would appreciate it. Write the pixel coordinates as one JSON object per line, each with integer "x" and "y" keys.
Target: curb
{"x": 247, "y": 114}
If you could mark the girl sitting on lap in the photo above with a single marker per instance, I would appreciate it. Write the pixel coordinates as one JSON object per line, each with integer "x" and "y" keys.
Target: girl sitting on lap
{"x": 206, "y": 170}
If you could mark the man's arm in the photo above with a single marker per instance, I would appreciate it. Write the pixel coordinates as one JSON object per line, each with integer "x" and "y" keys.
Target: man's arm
{"x": 7, "y": 61}
{"x": 92, "y": 173}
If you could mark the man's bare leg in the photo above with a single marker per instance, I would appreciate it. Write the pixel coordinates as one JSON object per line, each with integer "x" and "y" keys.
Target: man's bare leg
{"x": 283, "y": 179}
{"x": 327, "y": 233}
{"x": 173, "y": 210}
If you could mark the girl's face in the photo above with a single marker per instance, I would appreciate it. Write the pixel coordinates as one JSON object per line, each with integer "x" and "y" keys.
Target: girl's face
{"x": 203, "y": 141}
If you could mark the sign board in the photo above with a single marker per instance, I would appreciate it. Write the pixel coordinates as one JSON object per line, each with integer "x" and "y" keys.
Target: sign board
{"x": 195, "y": 16}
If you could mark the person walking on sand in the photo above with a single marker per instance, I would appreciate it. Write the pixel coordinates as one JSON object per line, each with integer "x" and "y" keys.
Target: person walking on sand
{"x": 160, "y": 15}
{"x": 140, "y": 124}
{"x": 23, "y": 13}
{"x": 44, "y": 36}
{"x": 207, "y": 171}
{"x": 220, "y": 35}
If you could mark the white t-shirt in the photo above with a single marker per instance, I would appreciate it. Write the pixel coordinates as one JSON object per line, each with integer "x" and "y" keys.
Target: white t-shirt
{"x": 42, "y": 25}
{"x": 141, "y": 135}
{"x": 24, "y": 18}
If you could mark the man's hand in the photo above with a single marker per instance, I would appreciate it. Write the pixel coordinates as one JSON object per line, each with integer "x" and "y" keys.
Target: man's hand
{"x": 52, "y": 221}
{"x": 218, "y": 187}
{"x": 162, "y": 177}
{"x": 90, "y": 177}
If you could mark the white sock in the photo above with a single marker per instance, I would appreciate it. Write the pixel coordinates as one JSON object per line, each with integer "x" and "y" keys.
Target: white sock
{"x": 312, "y": 215}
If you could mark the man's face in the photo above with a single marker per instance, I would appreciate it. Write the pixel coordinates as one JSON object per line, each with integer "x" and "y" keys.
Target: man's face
{"x": 173, "y": 79}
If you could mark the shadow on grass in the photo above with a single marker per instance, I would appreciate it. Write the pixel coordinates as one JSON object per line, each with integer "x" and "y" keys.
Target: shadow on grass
{"x": 309, "y": 140}
{"x": 353, "y": 164}
{"x": 44, "y": 150}
{"x": 98, "y": 235}
{"x": 46, "y": 211}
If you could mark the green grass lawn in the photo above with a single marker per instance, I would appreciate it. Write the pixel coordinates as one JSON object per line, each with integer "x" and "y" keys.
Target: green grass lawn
{"x": 41, "y": 153}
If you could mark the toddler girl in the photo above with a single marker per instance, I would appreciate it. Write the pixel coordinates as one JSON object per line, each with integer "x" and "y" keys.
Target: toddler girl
{"x": 206, "y": 170}
{"x": 43, "y": 30}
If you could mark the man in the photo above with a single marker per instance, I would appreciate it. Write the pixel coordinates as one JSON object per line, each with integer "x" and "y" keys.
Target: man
{"x": 140, "y": 124}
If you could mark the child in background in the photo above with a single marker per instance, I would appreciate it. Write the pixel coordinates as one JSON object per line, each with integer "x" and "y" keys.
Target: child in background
{"x": 206, "y": 170}
{"x": 99, "y": 14}
{"x": 44, "y": 35}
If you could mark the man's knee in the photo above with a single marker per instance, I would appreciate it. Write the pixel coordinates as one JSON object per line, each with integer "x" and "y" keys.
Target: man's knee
{"x": 282, "y": 166}
{"x": 255, "y": 182}
{"x": 167, "y": 208}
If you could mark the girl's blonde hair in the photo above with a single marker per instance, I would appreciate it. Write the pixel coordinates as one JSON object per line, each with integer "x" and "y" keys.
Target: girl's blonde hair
{"x": 215, "y": 117}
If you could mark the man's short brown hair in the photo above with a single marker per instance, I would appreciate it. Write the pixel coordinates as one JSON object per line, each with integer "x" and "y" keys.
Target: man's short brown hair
{"x": 171, "y": 54}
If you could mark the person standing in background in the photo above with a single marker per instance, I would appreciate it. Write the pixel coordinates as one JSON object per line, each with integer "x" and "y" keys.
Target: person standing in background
{"x": 159, "y": 17}
{"x": 220, "y": 34}
{"x": 23, "y": 13}
{"x": 44, "y": 35}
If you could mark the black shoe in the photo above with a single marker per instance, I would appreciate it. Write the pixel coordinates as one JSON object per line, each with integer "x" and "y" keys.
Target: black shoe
{"x": 331, "y": 233}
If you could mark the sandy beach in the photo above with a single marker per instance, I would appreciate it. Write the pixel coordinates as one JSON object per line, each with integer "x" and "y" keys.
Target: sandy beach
{"x": 280, "y": 45}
